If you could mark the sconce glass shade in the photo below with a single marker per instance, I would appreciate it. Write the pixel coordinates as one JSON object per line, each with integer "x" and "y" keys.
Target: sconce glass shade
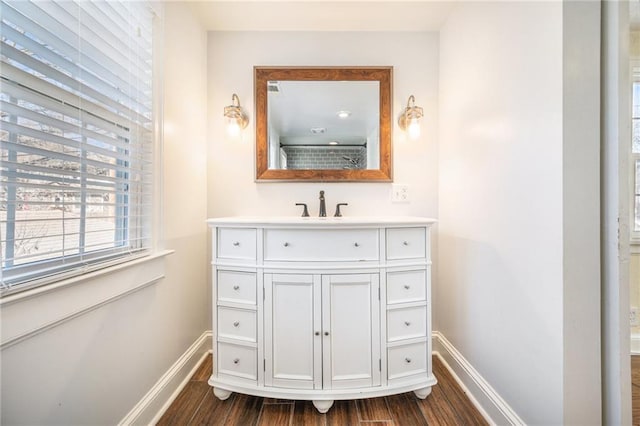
{"x": 235, "y": 118}
{"x": 409, "y": 120}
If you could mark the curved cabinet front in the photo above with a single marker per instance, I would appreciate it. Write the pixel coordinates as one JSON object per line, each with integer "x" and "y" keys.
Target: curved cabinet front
{"x": 321, "y": 310}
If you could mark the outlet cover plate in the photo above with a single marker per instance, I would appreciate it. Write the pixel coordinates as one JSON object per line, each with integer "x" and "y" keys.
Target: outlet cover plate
{"x": 399, "y": 193}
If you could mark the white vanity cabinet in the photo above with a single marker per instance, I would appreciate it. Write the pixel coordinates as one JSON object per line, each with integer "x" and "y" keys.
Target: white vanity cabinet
{"x": 321, "y": 308}
{"x": 322, "y": 331}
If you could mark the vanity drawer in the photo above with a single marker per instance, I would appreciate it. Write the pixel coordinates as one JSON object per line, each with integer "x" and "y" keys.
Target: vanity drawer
{"x": 407, "y": 360}
{"x": 320, "y": 245}
{"x": 237, "y": 287}
{"x": 238, "y": 361}
{"x": 406, "y": 243}
{"x": 239, "y": 324}
{"x": 406, "y": 323}
{"x": 406, "y": 286}
{"x": 236, "y": 243}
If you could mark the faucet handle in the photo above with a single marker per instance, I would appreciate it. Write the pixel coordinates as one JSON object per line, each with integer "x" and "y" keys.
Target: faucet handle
{"x": 338, "y": 213}
{"x": 305, "y": 212}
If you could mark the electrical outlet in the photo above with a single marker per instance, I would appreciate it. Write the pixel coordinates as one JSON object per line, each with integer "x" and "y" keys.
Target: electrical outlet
{"x": 400, "y": 193}
{"x": 633, "y": 317}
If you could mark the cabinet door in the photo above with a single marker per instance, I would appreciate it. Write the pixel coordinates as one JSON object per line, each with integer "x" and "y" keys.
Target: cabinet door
{"x": 351, "y": 331}
{"x": 292, "y": 319}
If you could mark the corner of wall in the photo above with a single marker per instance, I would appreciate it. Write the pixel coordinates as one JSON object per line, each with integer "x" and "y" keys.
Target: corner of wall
{"x": 490, "y": 404}
{"x": 155, "y": 402}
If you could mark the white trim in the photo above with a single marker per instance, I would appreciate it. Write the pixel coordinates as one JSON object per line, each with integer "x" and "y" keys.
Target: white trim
{"x": 78, "y": 279}
{"x": 154, "y": 404}
{"x": 490, "y": 404}
{"x": 233, "y": 384}
{"x": 615, "y": 289}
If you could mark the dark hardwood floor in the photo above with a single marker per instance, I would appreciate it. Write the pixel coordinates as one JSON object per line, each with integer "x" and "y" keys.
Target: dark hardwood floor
{"x": 635, "y": 389}
{"x": 447, "y": 405}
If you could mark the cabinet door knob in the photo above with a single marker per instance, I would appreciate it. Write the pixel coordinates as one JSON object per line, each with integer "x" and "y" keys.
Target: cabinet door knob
{"x": 407, "y": 360}
{"x": 326, "y": 333}
{"x": 407, "y": 323}
{"x": 317, "y": 333}
{"x": 356, "y": 244}
{"x": 237, "y": 323}
{"x": 236, "y": 287}
{"x": 407, "y": 286}
{"x": 405, "y": 243}
{"x": 236, "y": 361}
{"x": 286, "y": 244}
{"x": 236, "y": 243}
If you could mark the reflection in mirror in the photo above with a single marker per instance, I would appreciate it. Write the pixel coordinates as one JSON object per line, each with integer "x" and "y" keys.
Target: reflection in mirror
{"x": 323, "y": 124}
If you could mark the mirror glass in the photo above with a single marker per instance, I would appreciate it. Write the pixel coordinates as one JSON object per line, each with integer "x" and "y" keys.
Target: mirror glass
{"x": 323, "y": 124}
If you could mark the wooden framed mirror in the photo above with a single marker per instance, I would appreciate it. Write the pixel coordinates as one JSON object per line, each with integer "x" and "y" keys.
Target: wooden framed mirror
{"x": 323, "y": 124}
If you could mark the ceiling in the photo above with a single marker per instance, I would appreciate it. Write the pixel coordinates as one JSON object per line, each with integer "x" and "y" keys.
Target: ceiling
{"x": 315, "y": 15}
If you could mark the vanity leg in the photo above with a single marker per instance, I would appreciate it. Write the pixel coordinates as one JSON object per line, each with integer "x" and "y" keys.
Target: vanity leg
{"x": 221, "y": 393}
{"x": 422, "y": 393}
{"x": 323, "y": 406}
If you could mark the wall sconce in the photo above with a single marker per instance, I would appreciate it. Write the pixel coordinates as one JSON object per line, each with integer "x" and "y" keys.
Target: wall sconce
{"x": 410, "y": 118}
{"x": 235, "y": 118}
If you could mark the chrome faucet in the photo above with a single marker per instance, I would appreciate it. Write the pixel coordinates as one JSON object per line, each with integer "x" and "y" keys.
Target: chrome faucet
{"x": 323, "y": 206}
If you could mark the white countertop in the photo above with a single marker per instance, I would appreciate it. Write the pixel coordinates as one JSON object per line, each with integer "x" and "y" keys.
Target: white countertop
{"x": 327, "y": 222}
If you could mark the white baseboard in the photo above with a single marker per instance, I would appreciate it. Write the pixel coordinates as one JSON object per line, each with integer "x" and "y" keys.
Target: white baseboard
{"x": 153, "y": 405}
{"x": 490, "y": 404}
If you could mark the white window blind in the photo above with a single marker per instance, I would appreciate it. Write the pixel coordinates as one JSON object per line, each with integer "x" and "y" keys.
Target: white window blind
{"x": 76, "y": 140}
{"x": 635, "y": 154}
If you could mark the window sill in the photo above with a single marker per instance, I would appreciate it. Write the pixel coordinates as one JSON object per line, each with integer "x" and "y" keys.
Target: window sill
{"x": 31, "y": 312}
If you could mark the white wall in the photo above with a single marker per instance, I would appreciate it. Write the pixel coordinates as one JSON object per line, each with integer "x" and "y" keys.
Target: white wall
{"x": 232, "y": 56}
{"x": 500, "y": 200}
{"x": 519, "y": 202}
{"x": 581, "y": 109}
{"x": 93, "y": 368}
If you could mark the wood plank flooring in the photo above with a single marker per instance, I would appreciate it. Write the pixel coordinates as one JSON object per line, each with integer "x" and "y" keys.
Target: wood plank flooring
{"x": 447, "y": 405}
{"x": 635, "y": 389}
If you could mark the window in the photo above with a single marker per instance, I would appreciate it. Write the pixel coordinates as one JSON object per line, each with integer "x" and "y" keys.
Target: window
{"x": 635, "y": 155}
{"x": 76, "y": 137}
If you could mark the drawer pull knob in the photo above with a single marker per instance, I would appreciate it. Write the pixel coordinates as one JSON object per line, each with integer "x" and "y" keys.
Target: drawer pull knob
{"x": 407, "y": 286}
{"x": 405, "y": 243}
{"x": 236, "y": 361}
{"x": 317, "y": 333}
{"x": 236, "y": 243}
{"x": 286, "y": 244}
{"x": 236, "y": 287}
{"x": 356, "y": 244}
{"x": 237, "y": 323}
{"x": 407, "y": 360}
{"x": 326, "y": 333}
{"x": 407, "y": 323}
